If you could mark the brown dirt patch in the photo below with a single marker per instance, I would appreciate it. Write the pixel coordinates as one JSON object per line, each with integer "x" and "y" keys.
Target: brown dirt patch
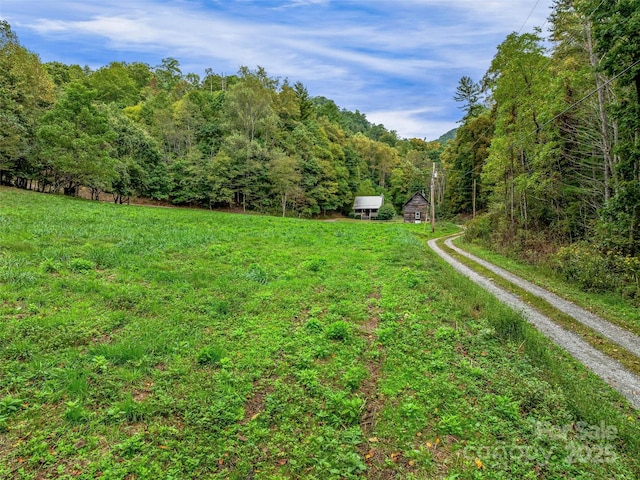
{"x": 103, "y": 339}
{"x": 142, "y": 394}
{"x": 255, "y": 403}
{"x": 371, "y": 450}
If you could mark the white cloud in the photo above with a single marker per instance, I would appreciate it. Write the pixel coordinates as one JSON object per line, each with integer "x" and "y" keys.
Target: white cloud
{"x": 416, "y": 123}
{"x": 504, "y": 15}
{"x": 303, "y": 3}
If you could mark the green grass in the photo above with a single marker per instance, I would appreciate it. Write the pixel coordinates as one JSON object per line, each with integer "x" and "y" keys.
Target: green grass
{"x": 142, "y": 342}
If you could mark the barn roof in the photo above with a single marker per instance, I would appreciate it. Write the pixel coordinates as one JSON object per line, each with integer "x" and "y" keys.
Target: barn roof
{"x": 368, "y": 202}
{"x": 417, "y": 194}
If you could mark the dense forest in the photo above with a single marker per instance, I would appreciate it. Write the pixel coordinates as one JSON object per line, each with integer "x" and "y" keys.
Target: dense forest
{"x": 549, "y": 147}
{"x": 246, "y": 141}
{"x": 547, "y": 152}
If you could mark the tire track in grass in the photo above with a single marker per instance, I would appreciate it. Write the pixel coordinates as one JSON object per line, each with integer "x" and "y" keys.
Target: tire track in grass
{"x": 373, "y": 457}
{"x": 612, "y": 372}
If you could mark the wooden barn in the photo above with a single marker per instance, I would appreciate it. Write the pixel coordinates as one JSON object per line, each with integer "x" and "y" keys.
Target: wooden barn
{"x": 416, "y": 209}
{"x": 366, "y": 208}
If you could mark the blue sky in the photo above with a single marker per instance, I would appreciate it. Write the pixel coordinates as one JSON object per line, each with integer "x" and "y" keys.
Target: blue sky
{"x": 397, "y": 61}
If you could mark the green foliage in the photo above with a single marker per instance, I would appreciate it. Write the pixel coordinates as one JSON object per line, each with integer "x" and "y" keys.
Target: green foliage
{"x": 257, "y": 274}
{"x": 117, "y": 84}
{"x": 354, "y": 377}
{"x": 315, "y": 368}
{"x": 75, "y": 142}
{"x": 555, "y": 161}
{"x": 464, "y": 158}
{"x": 386, "y": 212}
{"x": 127, "y": 410}
{"x": 81, "y": 265}
{"x": 8, "y": 406}
{"x": 344, "y": 410}
{"x": 210, "y": 355}
{"x": 49, "y": 265}
{"x": 27, "y": 90}
{"x": 313, "y": 325}
{"x": 100, "y": 364}
{"x": 468, "y": 93}
{"x": 620, "y": 219}
{"x": 339, "y": 330}
{"x": 75, "y": 412}
{"x": 387, "y": 334}
{"x": 244, "y": 141}
{"x": 315, "y": 264}
{"x": 599, "y": 271}
{"x": 481, "y": 229}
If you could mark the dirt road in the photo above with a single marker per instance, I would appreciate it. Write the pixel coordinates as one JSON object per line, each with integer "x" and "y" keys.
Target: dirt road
{"x": 612, "y": 372}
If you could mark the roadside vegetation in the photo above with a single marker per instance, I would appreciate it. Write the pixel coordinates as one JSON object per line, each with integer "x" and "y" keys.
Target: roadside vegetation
{"x": 140, "y": 342}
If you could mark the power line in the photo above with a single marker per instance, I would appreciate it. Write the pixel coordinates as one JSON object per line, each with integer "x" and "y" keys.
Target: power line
{"x": 529, "y": 16}
{"x": 582, "y": 99}
{"x": 595, "y": 9}
{"x": 547, "y": 20}
{"x": 534, "y": 75}
{"x": 542, "y": 68}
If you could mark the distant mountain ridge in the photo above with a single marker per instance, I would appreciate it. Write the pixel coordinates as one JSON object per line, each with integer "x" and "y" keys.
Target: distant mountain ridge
{"x": 450, "y": 135}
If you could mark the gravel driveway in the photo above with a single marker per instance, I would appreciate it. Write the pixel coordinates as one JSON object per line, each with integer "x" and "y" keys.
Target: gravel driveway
{"x": 618, "y": 335}
{"x": 612, "y": 372}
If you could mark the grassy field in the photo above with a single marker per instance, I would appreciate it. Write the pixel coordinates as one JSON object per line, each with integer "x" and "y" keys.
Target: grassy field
{"x": 140, "y": 342}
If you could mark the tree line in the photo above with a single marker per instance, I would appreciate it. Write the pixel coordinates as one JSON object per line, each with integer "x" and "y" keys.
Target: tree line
{"x": 247, "y": 140}
{"x": 549, "y": 146}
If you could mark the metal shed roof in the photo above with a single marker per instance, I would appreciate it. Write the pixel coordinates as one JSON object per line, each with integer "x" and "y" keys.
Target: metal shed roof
{"x": 368, "y": 202}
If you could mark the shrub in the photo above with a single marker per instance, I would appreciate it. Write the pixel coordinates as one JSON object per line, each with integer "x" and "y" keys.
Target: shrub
{"x": 386, "y": 212}
{"x": 599, "y": 271}
{"x": 480, "y": 229}
{"x": 337, "y": 330}
{"x": 211, "y": 355}
{"x": 81, "y": 265}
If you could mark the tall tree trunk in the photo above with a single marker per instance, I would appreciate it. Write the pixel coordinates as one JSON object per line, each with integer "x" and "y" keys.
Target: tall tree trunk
{"x": 511, "y": 190}
{"x": 606, "y": 141}
{"x": 284, "y": 204}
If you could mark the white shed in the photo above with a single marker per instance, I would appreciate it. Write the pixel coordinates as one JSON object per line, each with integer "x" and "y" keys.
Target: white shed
{"x": 366, "y": 208}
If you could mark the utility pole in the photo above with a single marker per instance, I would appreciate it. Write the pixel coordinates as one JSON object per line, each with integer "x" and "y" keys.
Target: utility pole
{"x": 433, "y": 197}
{"x": 474, "y": 198}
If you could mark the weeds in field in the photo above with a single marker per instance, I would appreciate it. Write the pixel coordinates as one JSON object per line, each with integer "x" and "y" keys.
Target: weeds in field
{"x": 170, "y": 343}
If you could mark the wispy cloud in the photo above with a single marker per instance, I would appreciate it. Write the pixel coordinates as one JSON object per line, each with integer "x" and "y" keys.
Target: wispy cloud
{"x": 302, "y": 3}
{"x": 384, "y": 58}
{"x": 416, "y": 123}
